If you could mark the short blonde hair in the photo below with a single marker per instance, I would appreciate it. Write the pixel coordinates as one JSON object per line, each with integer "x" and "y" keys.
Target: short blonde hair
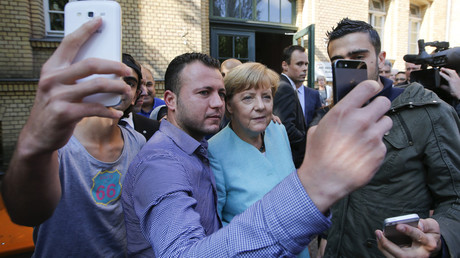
{"x": 251, "y": 75}
{"x": 248, "y": 76}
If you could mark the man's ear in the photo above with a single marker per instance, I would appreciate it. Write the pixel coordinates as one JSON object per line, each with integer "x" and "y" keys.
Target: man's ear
{"x": 170, "y": 100}
{"x": 381, "y": 59}
{"x": 284, "y": 65}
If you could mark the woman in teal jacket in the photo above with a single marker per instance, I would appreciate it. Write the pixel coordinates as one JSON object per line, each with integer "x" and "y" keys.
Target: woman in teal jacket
{"x": 251, "y": 154}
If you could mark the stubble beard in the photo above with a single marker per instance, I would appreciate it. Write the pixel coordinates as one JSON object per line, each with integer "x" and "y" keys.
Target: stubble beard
{"x": 191, "y": 125}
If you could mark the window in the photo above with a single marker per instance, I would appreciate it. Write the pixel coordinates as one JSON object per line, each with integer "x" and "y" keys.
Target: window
{"x": 274, "y": 11}
{"x": 233, "y": 44}
{"x": 54, "y": 17}
{"x": 415, "y": 20}
{"x": 377, "y": 16}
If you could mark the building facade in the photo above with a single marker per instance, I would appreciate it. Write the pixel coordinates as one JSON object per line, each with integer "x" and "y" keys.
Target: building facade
{"x": 155, "y": 31}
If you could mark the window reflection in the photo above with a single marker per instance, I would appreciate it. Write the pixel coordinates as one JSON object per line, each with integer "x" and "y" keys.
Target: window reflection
{"x": 277, "y": 11}
{"x": 241, "y": 47}
{"x": 262, "y": 10}
{"x": 226, "y": 46}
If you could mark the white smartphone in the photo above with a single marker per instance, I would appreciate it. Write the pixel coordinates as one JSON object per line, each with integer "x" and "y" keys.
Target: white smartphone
{"x": 390, "y": 231}
{"x": 105, "y": 43}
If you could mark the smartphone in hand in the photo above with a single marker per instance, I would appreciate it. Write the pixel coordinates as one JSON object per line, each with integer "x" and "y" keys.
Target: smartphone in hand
{"x": 399, "y": 238}
{"x": 346, "y": 75}
{"x": 105, "y": 43}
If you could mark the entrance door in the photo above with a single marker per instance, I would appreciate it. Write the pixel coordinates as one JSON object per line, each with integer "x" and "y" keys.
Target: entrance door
{"x": 233, "y": 44}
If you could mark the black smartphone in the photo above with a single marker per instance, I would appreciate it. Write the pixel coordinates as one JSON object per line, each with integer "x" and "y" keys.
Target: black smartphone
{"x": 390, "y": 232}
{"x": 346, "y": 75}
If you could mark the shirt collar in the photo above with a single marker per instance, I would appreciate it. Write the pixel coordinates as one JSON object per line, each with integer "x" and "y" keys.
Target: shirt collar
{"x": 129, "y": 119}
{"x": 388, "y": 90}
{"x": 184, "y": 141}
{"x": 290, "y": 81}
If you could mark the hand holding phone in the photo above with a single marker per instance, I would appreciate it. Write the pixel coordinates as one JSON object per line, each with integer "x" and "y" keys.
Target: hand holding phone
{"x": 105, "y": 43}
{"x": 395, "y": 236}
{"x": 346, "y": 75}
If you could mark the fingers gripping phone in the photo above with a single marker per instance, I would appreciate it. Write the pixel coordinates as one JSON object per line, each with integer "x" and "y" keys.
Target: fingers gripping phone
{"x": 105, "y": 43}
{"x": 346, "y": 75}
{"x": 395, "y": 236}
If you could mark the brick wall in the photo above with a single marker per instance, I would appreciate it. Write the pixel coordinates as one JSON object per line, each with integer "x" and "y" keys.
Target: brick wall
{"x": 155, "y": 32}
{"x": 15, "y": 50}
{"x": 16, "y": 100}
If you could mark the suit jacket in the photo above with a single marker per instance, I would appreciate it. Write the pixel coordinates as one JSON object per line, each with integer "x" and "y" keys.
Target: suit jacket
{"x": 146, "y": 126}
{"x": 312, "y": 103}
{"x": 286, "y": 105}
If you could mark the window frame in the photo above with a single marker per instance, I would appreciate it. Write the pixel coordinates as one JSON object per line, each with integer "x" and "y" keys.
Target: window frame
{"x": 375, "y": 14}
{"x": 46, "y": 13}
{"x": 254, "y": 13}
{"x": 414, "y": 19}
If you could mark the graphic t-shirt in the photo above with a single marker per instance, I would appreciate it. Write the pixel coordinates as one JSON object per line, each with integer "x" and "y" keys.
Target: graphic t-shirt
{"x": 88, "y": 221}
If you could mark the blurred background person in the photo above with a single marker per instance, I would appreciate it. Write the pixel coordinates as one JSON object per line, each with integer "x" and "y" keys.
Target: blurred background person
{"x": 409, "y": 68}
{"x": 229, "y": 64}
{"x": 385, "y": 71}
{"x": 159, "y": 113}
{"x": 394, "y": 71}
{"x": 225, "y": 67}
{"x": 251, "y": 154}
{"x": 400, "y": 79}
{"x": 150, "y": 101}
{"x": 325, "y": 91}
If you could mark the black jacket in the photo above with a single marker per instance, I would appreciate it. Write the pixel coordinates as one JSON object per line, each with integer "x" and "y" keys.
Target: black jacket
{"x": 286, "y": 105}
{"x": 145, "y": 126}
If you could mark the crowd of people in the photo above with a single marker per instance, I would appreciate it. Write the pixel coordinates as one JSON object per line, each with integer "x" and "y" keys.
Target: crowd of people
{"x": 284, "y": 167}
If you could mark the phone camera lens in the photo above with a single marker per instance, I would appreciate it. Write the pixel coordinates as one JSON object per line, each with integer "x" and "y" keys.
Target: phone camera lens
{"x": 90, "y": 14}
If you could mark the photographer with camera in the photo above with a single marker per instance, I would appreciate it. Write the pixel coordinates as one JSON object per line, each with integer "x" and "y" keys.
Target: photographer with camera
{"x": 453, "y": 86}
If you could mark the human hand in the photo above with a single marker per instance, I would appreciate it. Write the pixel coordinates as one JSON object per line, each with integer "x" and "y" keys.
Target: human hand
{"x": 346, "y": 148}
{"x": 426, "y": 240}
{"x": 276, "y": 119}
{"x": 58, "y": 105}
{"x": 453, "y": 79}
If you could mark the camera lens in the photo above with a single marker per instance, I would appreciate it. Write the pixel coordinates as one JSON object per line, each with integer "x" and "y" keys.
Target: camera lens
{"x": 90, "y": 14}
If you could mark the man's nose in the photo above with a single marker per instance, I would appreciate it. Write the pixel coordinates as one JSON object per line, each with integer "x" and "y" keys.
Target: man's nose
{"x": 216, "y": 100}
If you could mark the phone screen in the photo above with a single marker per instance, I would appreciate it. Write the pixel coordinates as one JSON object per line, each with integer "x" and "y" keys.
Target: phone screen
{"x": 346, "y": 75}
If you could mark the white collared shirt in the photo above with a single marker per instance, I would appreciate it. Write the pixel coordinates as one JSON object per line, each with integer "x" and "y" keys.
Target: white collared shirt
{"x": 300, "y": 92}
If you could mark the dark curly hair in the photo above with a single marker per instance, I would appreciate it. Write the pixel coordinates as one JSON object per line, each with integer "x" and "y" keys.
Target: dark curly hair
{"x": 347, "y": 26}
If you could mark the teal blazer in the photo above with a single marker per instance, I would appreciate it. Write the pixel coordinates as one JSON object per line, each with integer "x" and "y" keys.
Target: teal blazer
{"x": 244, "y": 174}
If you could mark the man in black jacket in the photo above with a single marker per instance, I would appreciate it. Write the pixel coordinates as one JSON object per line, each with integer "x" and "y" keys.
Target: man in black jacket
{"x": 294, "y": 103}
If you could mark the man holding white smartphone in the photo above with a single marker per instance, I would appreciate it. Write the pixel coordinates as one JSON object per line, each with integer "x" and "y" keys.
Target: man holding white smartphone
{"x": 420, "y": 171}
{"x": 66, "y": 175}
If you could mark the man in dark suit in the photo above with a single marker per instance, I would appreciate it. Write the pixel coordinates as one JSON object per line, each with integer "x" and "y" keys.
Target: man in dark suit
{"x": 294, "y": 103}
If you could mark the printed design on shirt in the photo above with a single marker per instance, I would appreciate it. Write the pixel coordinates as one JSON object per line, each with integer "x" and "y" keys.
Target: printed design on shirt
{"x": 106, "y": 187}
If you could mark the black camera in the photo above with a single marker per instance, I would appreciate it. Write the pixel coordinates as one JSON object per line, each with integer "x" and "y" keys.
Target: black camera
{"x": 442, "y": 56}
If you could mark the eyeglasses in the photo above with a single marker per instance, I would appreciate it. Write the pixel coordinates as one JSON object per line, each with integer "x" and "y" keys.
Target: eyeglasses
{"x": 400, "y": 79}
